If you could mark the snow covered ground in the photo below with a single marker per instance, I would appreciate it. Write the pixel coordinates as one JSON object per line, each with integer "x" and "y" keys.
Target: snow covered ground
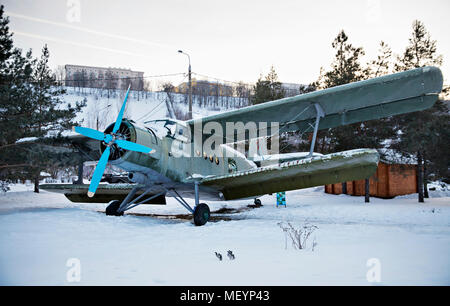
{"x": 44, "y": 237}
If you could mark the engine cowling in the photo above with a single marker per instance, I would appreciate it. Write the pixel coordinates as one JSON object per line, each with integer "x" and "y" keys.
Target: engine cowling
{"x": 130, "y": 132}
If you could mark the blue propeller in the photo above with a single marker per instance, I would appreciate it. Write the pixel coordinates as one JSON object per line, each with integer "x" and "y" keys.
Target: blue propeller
{"x": 109, "y": 140}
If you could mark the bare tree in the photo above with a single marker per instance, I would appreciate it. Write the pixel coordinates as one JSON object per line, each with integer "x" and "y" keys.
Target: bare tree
{"x": 83, "y": 79}
{"x": 100, "y": 83}
{"x": 60, "y": 74}
{"x": 110, "y": 82}
{"x": 242, "y": 93}
{"x": 92, "y": 80}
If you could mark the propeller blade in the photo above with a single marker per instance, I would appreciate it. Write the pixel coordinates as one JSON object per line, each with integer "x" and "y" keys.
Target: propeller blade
{"x": 98, "y": 173}
{"x": 122, "y": 110}
{"x": 89, "y": 133}
{"x": 132, "y": 146}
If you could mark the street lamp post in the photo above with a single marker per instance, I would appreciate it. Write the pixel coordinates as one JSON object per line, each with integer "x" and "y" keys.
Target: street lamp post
{"x": 190, "y": 84}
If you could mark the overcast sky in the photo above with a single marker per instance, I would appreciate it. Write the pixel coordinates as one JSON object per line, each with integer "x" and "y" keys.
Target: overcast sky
{"x": 231, "y": 40}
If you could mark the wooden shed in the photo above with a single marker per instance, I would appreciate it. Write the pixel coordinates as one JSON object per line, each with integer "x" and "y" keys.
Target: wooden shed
{"x": 390, "y": 180}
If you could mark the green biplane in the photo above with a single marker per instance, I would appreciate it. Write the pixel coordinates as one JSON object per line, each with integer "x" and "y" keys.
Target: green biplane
{"x": 163, "y": 157}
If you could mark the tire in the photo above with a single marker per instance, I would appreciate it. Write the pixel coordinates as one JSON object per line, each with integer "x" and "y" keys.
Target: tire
{"x": 201, "y": 214}
{"x": 111, "y": 209}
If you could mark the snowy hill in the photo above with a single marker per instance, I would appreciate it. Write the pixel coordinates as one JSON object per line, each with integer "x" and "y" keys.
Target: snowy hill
{"x": 103, "y": 106}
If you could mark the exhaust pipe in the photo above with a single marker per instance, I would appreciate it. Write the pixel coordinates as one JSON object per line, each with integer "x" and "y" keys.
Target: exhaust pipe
{"x": 137, "y": 177}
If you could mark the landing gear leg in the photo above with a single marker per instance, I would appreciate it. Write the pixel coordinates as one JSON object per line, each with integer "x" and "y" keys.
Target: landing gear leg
{"x": 201, "y": 214}
{"x": 200, "y": 211}
{"x": 117, "y": 208}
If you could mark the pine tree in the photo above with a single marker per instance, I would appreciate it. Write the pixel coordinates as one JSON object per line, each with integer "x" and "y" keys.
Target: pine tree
{"x": 381, "y": 129}
{"x": 421, "y": 50}
{"x": 48, "y": 118}
{"x": 268, "y": 89}
{"x": 6, "y": 41}
{"x": 382, "y": 65}
{"x": 420, "y": 132}
{"x": 347, "y": 68}
{"x": 31, "y": 106}
{"x": 15, "y": 74}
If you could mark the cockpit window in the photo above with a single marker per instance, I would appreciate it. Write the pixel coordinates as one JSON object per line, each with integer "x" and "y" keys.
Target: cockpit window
{"x": 153, "y": 135}
{"x": 162, "y": 128}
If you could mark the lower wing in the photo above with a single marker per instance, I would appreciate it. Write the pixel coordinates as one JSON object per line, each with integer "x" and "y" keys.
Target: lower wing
{"x": 297, "y": 174}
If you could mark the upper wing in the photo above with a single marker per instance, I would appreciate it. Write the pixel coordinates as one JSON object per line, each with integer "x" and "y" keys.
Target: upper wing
{"x": 297, "y": 174}
{"x": 394, "y": 94}
{"x": 88, "y": 147}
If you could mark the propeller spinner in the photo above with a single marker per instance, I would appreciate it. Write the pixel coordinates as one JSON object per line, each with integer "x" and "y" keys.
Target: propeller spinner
{"x": 109, "y": 140}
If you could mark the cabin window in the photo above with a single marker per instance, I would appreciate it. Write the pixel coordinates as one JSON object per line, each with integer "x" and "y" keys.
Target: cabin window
{"x": 232, "y": 167}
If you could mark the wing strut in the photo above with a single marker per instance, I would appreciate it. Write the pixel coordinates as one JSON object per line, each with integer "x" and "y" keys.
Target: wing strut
{"x": 319, "y": 114}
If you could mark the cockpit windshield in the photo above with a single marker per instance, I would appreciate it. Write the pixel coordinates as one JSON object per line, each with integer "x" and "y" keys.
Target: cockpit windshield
{"x": 162, "y": 128}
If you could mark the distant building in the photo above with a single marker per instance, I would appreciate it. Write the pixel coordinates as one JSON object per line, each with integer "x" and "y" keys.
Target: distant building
{"x": 100, "y": 77}
{"x": 291, "y": 89}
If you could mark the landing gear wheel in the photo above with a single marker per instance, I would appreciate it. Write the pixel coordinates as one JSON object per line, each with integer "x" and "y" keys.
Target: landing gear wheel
{"x": 112, "y": 208}
{"x": 257, "y": 202}
{"x": 201, "y": 214}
